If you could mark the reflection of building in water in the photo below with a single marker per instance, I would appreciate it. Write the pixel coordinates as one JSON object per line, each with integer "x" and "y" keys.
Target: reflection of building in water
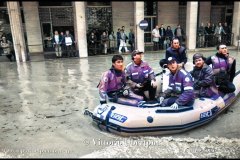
{"x": 26, "y": 92}
{"x": 72, "y": 76}
{"x": 59, "y": 76}
{"x": 84, "y": 84}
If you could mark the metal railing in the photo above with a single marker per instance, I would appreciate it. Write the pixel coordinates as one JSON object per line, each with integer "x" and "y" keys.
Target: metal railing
{"x": 112, "y": 45}
{"x": 98, "y": 48}
{"x": 212, "y": 40}
{"x": 48, "y": 47}
{"x": 166, "y": 42}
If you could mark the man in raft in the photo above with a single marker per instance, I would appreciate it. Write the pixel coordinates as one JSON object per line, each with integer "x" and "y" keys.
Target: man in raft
{"x": 180, "y": 89}
{"x": 112, "y": 85}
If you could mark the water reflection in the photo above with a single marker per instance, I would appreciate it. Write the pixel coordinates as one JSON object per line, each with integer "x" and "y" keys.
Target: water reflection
{"x": 85, "y": 86}
{"x": 24, "y": 82}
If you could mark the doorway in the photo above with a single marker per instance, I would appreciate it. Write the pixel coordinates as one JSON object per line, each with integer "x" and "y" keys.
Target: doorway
{"x": 47, "y": 34}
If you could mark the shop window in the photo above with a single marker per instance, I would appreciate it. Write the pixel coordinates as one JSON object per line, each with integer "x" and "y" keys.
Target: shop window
{"x": 182, "y": 3}
{"x": 182, "y": 16}
{"x": 214, "y": 3}
{"x": 151, "y": 25}
{"x": 4, "y": 16}
{"x": 230, "y": 10}
{"x": 150, "y": 15}
{"x": 99, "y": 17}
{"x": 3, "y": 4}
{"x": 150, "y": 8}
{"x": 62, "y": 16}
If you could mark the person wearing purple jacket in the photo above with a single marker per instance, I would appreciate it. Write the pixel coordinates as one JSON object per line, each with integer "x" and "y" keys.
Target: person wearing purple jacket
{"x": 180, "y": 89}
{"x": 204, "y": 85}
{"x": 112, "y": 85}
{"x": 141, "y": 77}
{"x": 224, "y": 68}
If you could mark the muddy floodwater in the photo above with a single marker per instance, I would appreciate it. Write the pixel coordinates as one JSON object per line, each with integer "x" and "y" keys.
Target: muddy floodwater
{"x": 41, "y": 114}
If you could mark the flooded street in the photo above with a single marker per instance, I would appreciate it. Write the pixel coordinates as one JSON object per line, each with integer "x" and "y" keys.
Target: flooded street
{"x": 41, "y": 113}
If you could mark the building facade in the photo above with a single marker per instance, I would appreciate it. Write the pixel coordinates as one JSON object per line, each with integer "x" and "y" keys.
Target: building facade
{"x": 31, "y": 24}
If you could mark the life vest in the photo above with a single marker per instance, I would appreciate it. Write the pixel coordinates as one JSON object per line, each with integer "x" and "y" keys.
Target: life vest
{"x": 221, "y": 69}
{"x": 112, "y": 81}
{"x": 219, "y": 63}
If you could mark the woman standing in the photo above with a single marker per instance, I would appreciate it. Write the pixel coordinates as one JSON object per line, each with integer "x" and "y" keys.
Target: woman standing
{"x": 104, "y": 41}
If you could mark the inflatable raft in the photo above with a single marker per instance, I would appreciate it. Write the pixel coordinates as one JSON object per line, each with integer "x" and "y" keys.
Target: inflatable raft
{"x": 134, "y": 121}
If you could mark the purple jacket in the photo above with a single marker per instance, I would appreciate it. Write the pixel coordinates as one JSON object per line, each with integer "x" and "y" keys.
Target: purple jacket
{"x": 111, "y": 80}
{"x": 220, "y": 62}
{"x": 180, "y": 85}
{"x": 139, "y": 73}
{"x": 203, "y": 81}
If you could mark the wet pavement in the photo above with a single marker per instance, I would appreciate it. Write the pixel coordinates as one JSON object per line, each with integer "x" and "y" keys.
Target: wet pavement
{"x": 41, "y": 112}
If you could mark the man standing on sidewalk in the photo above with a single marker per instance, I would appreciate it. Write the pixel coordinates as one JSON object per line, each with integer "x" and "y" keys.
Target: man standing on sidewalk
{"x": 57, "y": 42}
{"x": 156, "y": 36}
{"x": 69, "y": 40}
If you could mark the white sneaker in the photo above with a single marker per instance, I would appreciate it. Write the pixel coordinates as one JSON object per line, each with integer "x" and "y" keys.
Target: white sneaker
{"x": 120, "y": 52}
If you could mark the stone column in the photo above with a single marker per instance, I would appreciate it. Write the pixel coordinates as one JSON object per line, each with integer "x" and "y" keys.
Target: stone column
{"x": 191, "y": 25}
{"x": 17, "y": 31}
{"x": 32, "y": 23}
{"x": 81, "y": 28}
{"x": 236, "y": 23}
{"x": 138, "y": 16}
